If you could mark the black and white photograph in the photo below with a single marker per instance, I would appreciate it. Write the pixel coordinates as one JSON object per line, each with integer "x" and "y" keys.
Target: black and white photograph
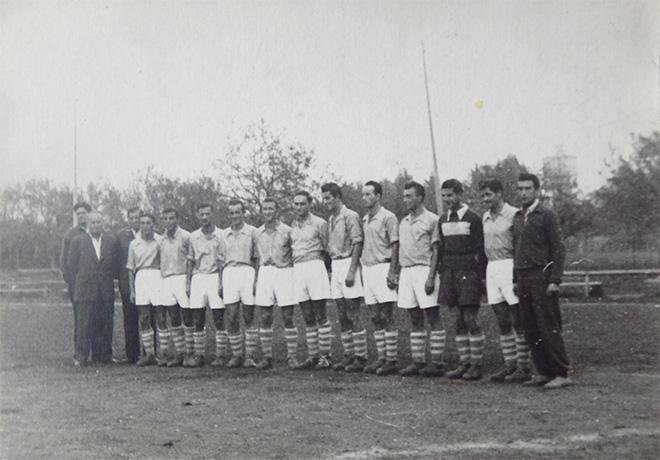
{"x": 330, "y": 229}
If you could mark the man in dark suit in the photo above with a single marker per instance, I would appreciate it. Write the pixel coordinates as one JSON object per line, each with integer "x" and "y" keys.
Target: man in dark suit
{"x": 93, "y": 264}
{"x": 130, "y": 313}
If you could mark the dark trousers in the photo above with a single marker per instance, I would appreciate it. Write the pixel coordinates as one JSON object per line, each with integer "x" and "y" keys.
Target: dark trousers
{"x": 70, "y": 288}
{"x": 93, "y": 330}
{"x": 131, "y": 329}
{"x": 541, "y": 320}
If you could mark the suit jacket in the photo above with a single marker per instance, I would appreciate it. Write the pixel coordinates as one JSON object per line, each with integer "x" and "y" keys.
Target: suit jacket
{"x": 64, "y": 254}
{"x": 124, "y": 239}
{"x": 93, "y": 275}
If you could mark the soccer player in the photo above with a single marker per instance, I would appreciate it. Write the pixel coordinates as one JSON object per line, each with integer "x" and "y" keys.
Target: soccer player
{"x": 344, "y": 248}
{"x": 204, "y": 288}
{"x": 380, "y": 260}
{"x": 498, "y": 245}
{"x": 418, "y": 283}
{"x": 538, "y": 267}
{"x": 174, "y": 250}
{"x": 143, "y": 266}
{"x": 309, "y": 243}
{"x": 462, "y": 266}
{"x": 275, "y": 283}
{"x": 239, "y": 256}
{"x": 129, "y": 310}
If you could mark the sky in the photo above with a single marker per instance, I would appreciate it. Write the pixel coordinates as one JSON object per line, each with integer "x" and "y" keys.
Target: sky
{"x": 169, "y": 83}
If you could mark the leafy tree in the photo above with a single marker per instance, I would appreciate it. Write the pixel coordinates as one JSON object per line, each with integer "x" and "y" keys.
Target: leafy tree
{"x": 506, "y": 170}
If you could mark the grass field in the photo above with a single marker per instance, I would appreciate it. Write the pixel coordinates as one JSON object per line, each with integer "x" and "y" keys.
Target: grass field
{"x": 50, "y": 409}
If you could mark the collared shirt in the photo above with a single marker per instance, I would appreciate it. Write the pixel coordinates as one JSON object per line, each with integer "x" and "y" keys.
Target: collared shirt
{"x": 274, "y": 246}
{"x": 97, "y": 245}
{"x": 462, "y": 241}
{"x": 345, "y": 232}
{"x": 460, "y": 212}
{"x": 416, "y": 236}
{"x": 309, "y": 238}
{"x": 143, "y": 254}
{"x": 380, "y": 231}
{"x": 240, "y": 246}
{"x": 530, "y": 209}
{"x": 206, "y": 250}
{"x": 498, "y": 233}
{"x": 174, "y": 252}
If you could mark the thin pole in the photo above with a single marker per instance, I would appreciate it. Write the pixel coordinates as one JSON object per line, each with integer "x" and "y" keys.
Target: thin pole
{"x": 75, "y": 158}
{"x": 436, "y": 176}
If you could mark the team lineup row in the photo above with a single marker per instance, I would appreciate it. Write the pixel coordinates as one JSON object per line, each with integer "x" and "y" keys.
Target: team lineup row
{"x": 418, "y": 264}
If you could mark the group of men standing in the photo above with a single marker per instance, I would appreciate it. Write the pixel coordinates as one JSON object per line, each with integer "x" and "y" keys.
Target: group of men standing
{"x": 420, "y": 263}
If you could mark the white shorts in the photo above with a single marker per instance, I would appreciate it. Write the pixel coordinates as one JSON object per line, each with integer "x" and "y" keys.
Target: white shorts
{"x": 275, "y": 285}
{"x": 499, "y": 282}
{"x": 310, "y": 281}
{"x": 238, "y": 284}
{"x": 375, "y": 284}
{"x": 338, "y": 287}
{"x": 411, "y": 288}
{"x": 204, "y": 291}
{"x": 147, "y": 287}
{"x": 173, "y": 291}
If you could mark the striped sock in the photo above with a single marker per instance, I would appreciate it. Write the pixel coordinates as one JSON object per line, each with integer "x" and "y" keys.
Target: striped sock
{"x": 199, "y": 339}
{"x": 312, "y": 341}
{"x": 291, "y": 336}
{"x": 163, "y": 337}
{"x": 391, "y": 344}
{"x": 266, "y": 338}
{"x": 179, "y": 341}
{"x": 236, "y": 343}
{"x": 251, "y": 342}
{"x": 438, "y": 340}
{"x": 360, "y": 343}
{"x": 148, "y": 341}
{"x": 523, "y": 355}
{"x": 221, "y": 344}
{"x": 347, "y": 343}
{"x": 418, "y": 345}
{"x": 463, "y": 345}
{"x": 508, "y": 345}
{"x": 476, "y": 348}
{"x": 325, "y": 338}
{"x": 188, "y": 334}
{"x": 379, "y": 338}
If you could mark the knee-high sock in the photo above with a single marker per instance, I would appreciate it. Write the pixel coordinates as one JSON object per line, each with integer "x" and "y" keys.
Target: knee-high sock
{"x": 418, "y": 346}
{"x": 266, "y": 339}
{"x": 325, "y": 338}
{"x": 360, "y": 343}
{"x": 291, "y": 336}
{"x": 221, "y": 344}
{"x": 508, "y": 345}
{"x": 199, "y": 339}
{"x": 438, "y": 340}
{"x": 312, "y": 335}
{"x": 189, "y": 336}
{"x": 347, "y": 343}
{"x": 523, "y": 354}
{"x": 476, "y": 348}
{"x": 147, "y": 341}
{"x": 236, "y": 343}
{"x": 163, "y": 336}
{"x": 463, "y": 345}
{"x": 391, "y": 345}
{"x": 178, "y": 339}
{"x": 381, "y": 347}
{"x": 251, "y": 342}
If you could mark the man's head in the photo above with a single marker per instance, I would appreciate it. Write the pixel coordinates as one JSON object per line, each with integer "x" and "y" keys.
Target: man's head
{"x": 413, "y": 195}
{"x": 451, "y": 191}
{"x": 528, "y": 188}
{"x": 331, "y": 196}
{"x": 372, "y": 192}
{"x": 133, "y": 217}
{"x": 82, "y": 209}
{"x": 147, "y": 221}
{"x": 170, "y": 219}
{"x": 236, "y": 212}
{"x": 302, "y": 201}
{"x": 95, "y": 223}
{"x": 204, "y": 214}
{"x": 269, "y": 209}
{"x": 491, "y": 193}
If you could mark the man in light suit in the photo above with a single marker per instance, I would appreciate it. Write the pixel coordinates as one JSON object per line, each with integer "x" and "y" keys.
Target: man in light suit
{"x": 92, "y": 261}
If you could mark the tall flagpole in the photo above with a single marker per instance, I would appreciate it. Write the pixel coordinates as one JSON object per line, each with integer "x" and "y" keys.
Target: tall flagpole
{"x": 436, "y": 176}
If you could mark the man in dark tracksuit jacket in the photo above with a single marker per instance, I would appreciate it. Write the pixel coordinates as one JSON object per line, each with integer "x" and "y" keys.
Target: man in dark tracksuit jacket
{"x": 538, "y": 267}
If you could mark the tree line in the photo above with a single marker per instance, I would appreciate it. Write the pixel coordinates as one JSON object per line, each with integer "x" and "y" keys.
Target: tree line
{"x": 622, "y": 213}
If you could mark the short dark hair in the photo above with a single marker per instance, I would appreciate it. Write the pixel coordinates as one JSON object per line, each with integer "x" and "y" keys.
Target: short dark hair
{"x": 378, "y": 189}
{"x": 203, "y": 205}
{"x": 82, "y": 204}
{"x": 271, "y": 200}
{"x": 304, "y": 193}
{"x": 236, "y": 202}
{"x": 419, "y": 188}
{"x": 149, "y": 215}
{"x": 530, "y": 177}
{"x": 452, "y": 184}
{"x": 494, "y": 185}
{"x": 132, "y": 210}
{"x": 171, "y": 210}
{"x": 332, "y": 188}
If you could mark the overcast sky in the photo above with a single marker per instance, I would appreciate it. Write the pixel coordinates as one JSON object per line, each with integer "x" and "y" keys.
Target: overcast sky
{"x": 165, "y": 83}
